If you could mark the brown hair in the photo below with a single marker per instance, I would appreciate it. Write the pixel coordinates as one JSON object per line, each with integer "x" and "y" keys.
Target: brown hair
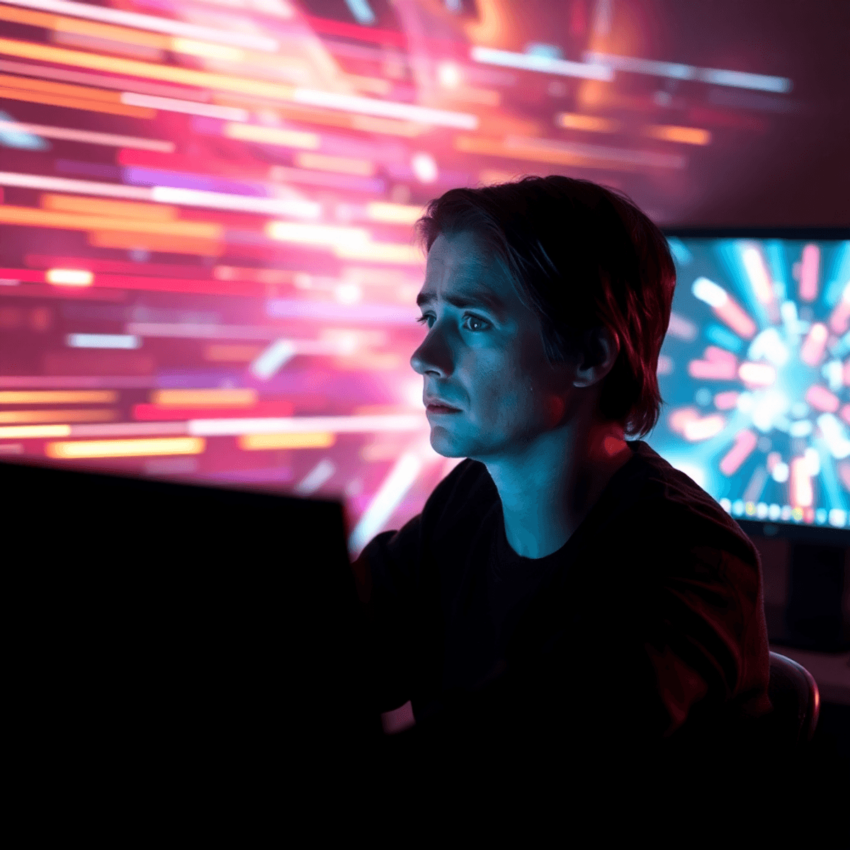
{"x": 580, "y": 256}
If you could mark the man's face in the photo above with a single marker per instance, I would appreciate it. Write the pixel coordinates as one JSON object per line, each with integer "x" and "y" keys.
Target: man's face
{"x": 486, "y": 360}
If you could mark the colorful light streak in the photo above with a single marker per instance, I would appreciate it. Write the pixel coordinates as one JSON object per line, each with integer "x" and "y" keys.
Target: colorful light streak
{"x": 266, "y": 121}
{"x": 150, "y": 22}
{"x": 87, "y": 137}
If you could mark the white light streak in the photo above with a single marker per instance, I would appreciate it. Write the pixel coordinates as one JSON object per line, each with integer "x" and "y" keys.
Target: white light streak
{"x": 709, "y": 292}
{"x": 833, "y": 433}
{"x": 245, "y": 203}
{"x": 314, "y": 479}
{"x": 306, "y": 425}
{"x": 386, "y": 109}
{"x": 150, "y": 22}
{"x": 677, "y": 71}
{"x": 543, "y": 64}
{"x": 273, "y": 359}
{"x": 168, "y": 104}
{"x": 83, "y": 187}
{"x": 88, "y": 137}
{"x": 102, "y": 341}
{"x": 392, "y": 491}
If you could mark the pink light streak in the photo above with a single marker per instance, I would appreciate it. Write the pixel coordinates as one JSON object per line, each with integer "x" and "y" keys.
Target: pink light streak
{"x": 736, "y": 317}
{"x": 822, "y": 399}
{"x": 809, "y": 273}
{"x": 745, "y": 442}
{"x": 679, "y": 419}
{"x": 718, "y": 365}
{"x": 727, "y": 400}
{"x": 800, "y": 485}
{"x": 773, "y": 460}
{"x": 813, "y": 346}
{"x": 840, "y": 318}
{"x": 703, "y": 429}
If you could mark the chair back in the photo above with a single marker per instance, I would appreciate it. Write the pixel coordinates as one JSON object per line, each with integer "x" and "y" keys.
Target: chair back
{"x": 796, "y": 703}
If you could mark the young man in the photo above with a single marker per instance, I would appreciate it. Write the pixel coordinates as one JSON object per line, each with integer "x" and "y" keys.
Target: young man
{"x": 567, "y": 604}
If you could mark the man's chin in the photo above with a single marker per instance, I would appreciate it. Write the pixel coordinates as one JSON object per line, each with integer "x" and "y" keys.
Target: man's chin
{"x": 446, "y": 448}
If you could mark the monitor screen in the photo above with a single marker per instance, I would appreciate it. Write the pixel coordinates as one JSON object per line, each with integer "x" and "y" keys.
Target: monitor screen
{"x": 754, "y": 372}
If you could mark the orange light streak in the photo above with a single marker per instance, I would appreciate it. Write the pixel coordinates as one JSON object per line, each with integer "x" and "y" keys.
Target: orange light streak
{"x": 393, "y": 213}
{"x": 685, "y": 135}
{"x": 122, "y": 209}
{"x": 497, "y": 147}
{"x": 20, "y": 416}
{"x": 71, "y": 221}
{"x": 58, "y": 397}
{"x": 261, "y": 442}
{"x": 74, "y": 103}
{"x": 126, "y": 448}
{"x": 156, "y": 242}
{"x": 241, "y": 397}
{"x": 122, "y": 84}
{"x": 343, "y": 164}
{"x": 233, "y": 354}
{"x": 75, "y": 25}
{"x": 745, "y": 442}
{"x": 594, "y": 124}
{"x": 386, "y": 126}
{"x": 94, "y": 44}
{"x": 82, "y": 92}
{"x": 115, "y": 65}
{"x": 380, "y": 252}
{"x": 119, "y": 35}
{"x": 272, "y": 136}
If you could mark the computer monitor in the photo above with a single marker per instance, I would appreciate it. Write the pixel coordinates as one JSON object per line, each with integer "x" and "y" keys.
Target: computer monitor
{"x": 163, "y": 630}
{"x": 755, "y": 376}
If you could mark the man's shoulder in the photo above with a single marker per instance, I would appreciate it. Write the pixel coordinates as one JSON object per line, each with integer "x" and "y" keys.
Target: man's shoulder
{"x": 659, "y": 501}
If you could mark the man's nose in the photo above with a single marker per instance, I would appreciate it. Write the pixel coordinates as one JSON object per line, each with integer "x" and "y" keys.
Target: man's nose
{"x": 433, "y": 355}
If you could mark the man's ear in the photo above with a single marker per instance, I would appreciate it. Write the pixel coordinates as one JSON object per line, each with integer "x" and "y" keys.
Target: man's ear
{"x": 599, "y": 354}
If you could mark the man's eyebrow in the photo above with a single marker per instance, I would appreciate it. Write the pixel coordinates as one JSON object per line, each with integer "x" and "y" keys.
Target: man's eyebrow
{"x": 478, "y": 298}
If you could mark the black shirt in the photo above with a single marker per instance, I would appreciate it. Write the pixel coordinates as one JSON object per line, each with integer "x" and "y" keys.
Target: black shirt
{"x": 647, "y": 627}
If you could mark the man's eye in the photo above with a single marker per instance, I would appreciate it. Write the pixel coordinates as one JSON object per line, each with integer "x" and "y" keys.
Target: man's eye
{"x": 423, "y": 319}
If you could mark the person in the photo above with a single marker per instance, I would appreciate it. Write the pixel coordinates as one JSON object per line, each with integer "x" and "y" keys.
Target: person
{"x": 568, "y": 610}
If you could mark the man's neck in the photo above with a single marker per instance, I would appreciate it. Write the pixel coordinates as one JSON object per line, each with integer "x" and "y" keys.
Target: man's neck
{"x": 544, "y": 502}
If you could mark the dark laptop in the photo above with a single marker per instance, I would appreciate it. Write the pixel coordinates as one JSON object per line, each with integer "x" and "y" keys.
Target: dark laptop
{"x": 180, "y": 634}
